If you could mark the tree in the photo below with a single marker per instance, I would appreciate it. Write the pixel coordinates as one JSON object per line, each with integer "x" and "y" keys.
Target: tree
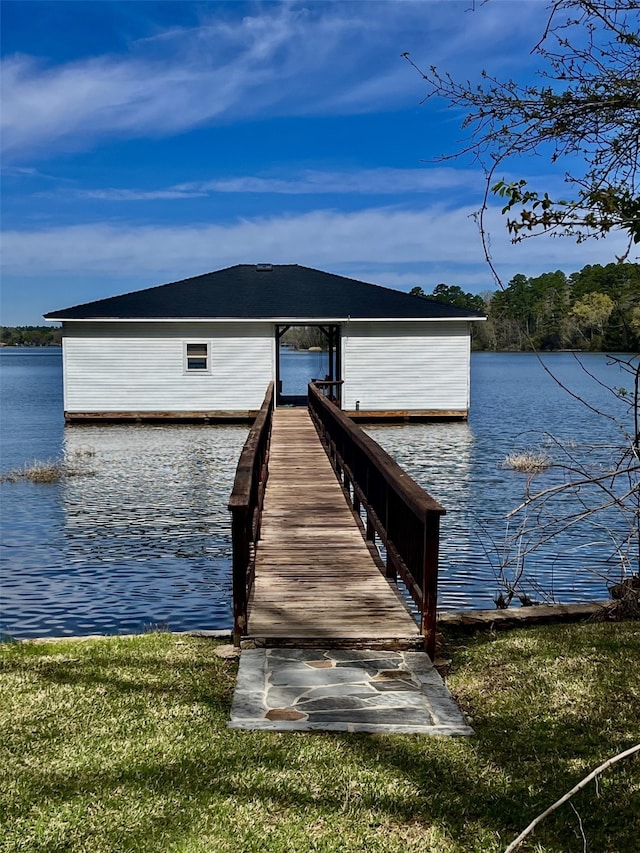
{"x": 30, "y": 336}
{"x": 455, "y": 295}
{"x": 621, "y": 283}
{"x": 585, "y": 113}
{"x": 593, "y": 311}
{"x": 417, "y": 291}
{"x": 303, "y": 337}
{"x": 452, "y": 294}
{"x": 586, "y": 110}
{"x": 532, "y": 313}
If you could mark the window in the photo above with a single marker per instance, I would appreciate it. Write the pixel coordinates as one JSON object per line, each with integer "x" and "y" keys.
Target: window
{"x": 197, "y": 358}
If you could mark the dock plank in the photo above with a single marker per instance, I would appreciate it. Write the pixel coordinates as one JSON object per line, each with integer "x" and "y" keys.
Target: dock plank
{"x": 316, "y": 579}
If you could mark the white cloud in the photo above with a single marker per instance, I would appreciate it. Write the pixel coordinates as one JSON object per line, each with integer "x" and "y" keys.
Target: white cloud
{"x": 284, "y": 59}
{"x": 366, "y": 244}
{"x": 114, "y": 194}
{"x": 380, "y": 181}
{"x": 224, "y": 68}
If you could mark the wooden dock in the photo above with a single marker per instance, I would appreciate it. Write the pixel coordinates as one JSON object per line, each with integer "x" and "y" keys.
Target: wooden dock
{"x": 317, "y": 580}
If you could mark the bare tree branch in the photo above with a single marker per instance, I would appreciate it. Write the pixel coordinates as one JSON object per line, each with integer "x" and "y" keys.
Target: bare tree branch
{"x": 581, "y": 784}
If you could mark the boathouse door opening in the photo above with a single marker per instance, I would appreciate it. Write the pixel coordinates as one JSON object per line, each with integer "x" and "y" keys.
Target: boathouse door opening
{"x": 304, "y": 353}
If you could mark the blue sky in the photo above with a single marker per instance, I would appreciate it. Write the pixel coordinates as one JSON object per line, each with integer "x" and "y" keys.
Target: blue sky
{"x": 144, "y": 142}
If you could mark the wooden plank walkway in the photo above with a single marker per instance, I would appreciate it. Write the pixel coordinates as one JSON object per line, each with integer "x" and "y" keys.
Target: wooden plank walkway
{"x": 317, "y": 582}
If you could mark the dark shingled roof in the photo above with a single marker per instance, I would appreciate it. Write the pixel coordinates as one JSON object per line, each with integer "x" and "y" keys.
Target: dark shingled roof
{"x": 247, "y": 292}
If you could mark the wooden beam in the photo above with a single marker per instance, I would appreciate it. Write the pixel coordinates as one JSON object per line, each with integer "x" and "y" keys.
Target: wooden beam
{"x": 214, "y": 416}
{"x": 405, "y": 415}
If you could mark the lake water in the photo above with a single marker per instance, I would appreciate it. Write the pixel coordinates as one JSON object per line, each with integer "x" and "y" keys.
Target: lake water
{"x": 140, "y": 537}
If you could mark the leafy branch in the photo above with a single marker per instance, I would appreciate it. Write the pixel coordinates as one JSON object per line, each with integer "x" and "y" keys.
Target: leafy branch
{"x": 586, "y": 108}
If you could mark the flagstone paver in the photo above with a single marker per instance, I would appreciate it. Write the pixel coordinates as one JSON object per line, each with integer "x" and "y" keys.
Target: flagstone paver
{"x": 343, "y": 690}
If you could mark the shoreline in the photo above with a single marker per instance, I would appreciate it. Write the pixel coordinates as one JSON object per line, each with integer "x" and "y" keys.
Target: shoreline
{"x": 465, "y": 620}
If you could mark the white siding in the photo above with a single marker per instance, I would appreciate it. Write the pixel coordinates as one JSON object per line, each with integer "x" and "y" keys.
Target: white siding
{"x": 139, "y": 367}
{"x": 404, "y": 366}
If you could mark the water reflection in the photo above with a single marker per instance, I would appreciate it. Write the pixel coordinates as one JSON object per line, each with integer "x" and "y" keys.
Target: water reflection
{"x": 515, "y": 406}
{"x": 142, "y": 538}
{"x": 138, "y": 537}
{"x": 439, "y": 456}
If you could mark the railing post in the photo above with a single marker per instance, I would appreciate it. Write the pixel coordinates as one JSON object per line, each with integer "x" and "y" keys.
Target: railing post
{"x": 430, "y": 582}
{"x": 391, "y": 528}
{"x": 389, "y": 522}
{"x": 240, "y": 544}
{"x": 370, "y": 529}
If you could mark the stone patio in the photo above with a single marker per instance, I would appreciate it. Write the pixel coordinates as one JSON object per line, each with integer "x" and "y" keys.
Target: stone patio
{"x": 343, "y": 691}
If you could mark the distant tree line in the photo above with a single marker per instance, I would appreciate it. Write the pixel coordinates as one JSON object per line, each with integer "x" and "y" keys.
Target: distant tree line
{"x": 596, "y": 309}
{"x": 30, "y": 336}
{"x": 303, "y": 337}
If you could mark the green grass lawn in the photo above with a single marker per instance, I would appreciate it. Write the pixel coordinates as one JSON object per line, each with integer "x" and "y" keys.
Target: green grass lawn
{"x": 121, "y": 745}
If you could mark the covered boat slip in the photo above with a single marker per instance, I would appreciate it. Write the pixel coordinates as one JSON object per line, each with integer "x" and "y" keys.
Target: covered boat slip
{"x": 331, "y": 334}
{"x": 204, "y": 348}
{"x": 306, "y": 568}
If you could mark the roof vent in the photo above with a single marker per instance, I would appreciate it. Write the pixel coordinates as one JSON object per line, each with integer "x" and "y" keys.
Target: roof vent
{"x": 264, "y": 267}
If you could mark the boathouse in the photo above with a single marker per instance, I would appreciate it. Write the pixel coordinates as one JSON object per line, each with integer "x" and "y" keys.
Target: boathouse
{"x": 205, "y": 348}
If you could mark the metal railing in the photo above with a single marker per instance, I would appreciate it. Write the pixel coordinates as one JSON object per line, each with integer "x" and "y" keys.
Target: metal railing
{"x": 245, "y": 505}
{"x": 402, "y": 514}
